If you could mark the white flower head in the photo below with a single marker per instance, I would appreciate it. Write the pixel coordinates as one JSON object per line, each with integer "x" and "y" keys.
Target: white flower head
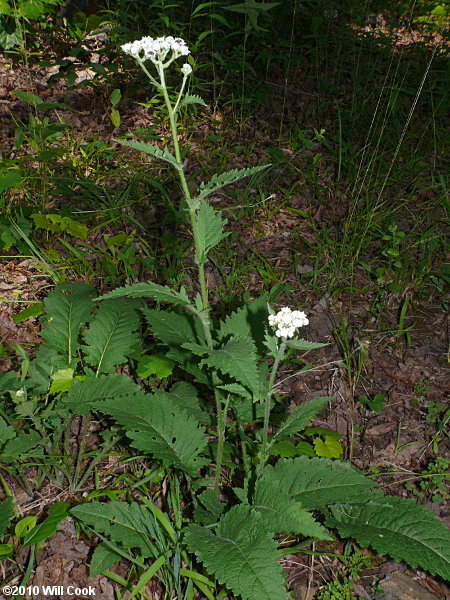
{"x": 287, "y": 321}
{"x": 186, "y": 69}
{"x": 156, "y": 49}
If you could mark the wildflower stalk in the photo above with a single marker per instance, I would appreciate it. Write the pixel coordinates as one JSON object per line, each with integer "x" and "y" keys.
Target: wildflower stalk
{"x": 264, "y": 448}
{"x": 156, "y": 51}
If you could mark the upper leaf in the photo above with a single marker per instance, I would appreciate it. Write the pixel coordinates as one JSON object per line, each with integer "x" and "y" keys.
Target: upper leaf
{"x": 218, "y": 181}
{"x": 160, "y": 293}
{"x": 209, "y": 225}
{"x": 152, "y": 150}
{"x": 191, "y": 99}
{"x": 242, "y": 555}
{"x": 68, "y": 307}
{"x": 156, "y": 426}
{"x": 301, "y": 344}
{"x": 398, "y": 527}
{"x": 249, "y": 320}
{"x": 238, "y": 359}
{"x": 317, "y": 482}
{"x": 111, "y": 336}
{"x": 300, "y": 417}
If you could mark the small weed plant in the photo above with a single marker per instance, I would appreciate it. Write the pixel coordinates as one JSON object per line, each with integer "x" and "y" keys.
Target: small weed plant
{"x": 213, "y": 528}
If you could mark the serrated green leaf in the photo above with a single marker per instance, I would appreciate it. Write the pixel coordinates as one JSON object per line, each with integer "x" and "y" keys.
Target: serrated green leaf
{"x": 242, "y": 555}
{"x": 191, "y": 99}
{"x": 218, "y": 181}
{"x": 400, "y": 528}
{"x": 301, "y": 344}
{"x": 47, "y": 361}
{"x": 112, "y": 336}
{"x": 236, "y": 358}
{"x": 300, "y": 417}
{"x": 209, "y": 509}
{"x": 287, "y": 449}
{"x": 68, "y": 307}
{"x": 9, "y": 179}
{"x": 250, "y": 321}
{"x": 185, "y": 397}
{"x": 283, "y": 513}
{"x": 156, "y": 426}
{"x": 6, "y": 514}
{"x": 316, "y": 482}
{"x": 62, "y": 380}
{"x": 7, "y": 432}
{"x": 209, "y": 225}
{"x": 175, "y": 330}
{"x": 56, "y": 513}
{"x": 329, "y": 447}
{"x": 164, "y": 154}
{"x": 160, "y": 293}
{"x": 83, "y": 395}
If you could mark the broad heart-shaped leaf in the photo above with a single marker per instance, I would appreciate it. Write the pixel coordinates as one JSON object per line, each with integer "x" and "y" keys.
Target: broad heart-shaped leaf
{"x": 300, "y": 417}
{"x": 328, "y": 447}
{"x": 283, "y": 513}
{"x": 6, "y": 514}
{"x": 128, "y": 525}
{"x": 112, "y": 335}
{"x": 209, "y": 225}
{"x": 160, "y": 293}
{"x": 250, "y": 321}
{"x": 176, "y": 329}
{"x": 68, "y": 307}
{"x": 155, "y": 425}
{"x": 301, "y": 344}
{"x": 236, "y": 358}
{"x": 84, "y": 394}
{"x": 152, "y": 150}
{"x": 398, "y": 527}
{"x": 218, "y": 181}
{"x": 242, "y": 555}
{"x": 317, "y": 482}
{"x": 191, "y": 99}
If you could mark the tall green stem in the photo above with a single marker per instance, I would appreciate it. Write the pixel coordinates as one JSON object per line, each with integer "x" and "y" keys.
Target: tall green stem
{"x": 264, "y": 447}
{"x": 221, "y": 410}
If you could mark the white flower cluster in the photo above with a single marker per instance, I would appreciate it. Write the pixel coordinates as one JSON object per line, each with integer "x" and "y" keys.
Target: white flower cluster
{"x": 156, "y": 49}
{"x": 286, "y": 321}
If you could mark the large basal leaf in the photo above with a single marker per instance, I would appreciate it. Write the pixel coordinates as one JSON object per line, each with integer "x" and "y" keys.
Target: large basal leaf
{"x": 283, "y": 513}
{"x": 398, "y": 527}
{"x": 218, "y": 181}
{"x": 242, "y": 554}
{"x": 160, "y": 293}
{"x": 316, "y": 482}
{"x": 128, "y": 525}
{"x": 209, "y": 225}
{"x": 164, "y": 154}
{"x": 68, "y": 307}
{"x": 156, "y": 426}
{"x": 6, "y": 514}
{"x": 236, "y": 358}
{"x": 112, "y": 335}
{"x": 83, "y": 395}
{"x": 300, "y": 417}
{"x": 248, "y": 321}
